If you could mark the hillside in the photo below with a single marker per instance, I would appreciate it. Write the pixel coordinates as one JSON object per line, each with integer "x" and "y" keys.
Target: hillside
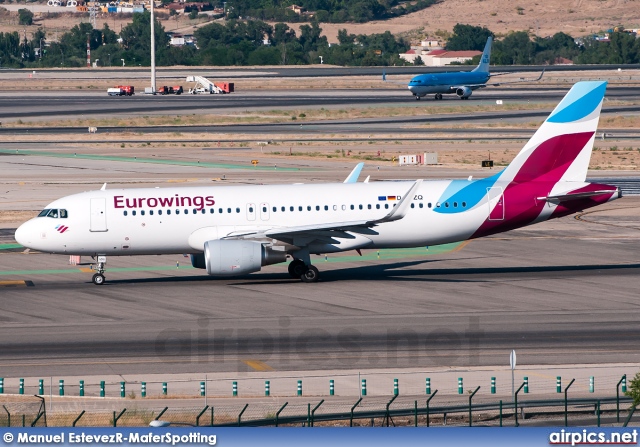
{"x": 541, "y": 17}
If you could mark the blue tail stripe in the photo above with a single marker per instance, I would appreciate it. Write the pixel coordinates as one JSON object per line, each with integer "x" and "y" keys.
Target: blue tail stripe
{"x": 580, "y": 102}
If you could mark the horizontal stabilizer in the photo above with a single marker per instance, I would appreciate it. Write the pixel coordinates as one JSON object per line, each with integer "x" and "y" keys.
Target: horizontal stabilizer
{"x": 578, "y": 195}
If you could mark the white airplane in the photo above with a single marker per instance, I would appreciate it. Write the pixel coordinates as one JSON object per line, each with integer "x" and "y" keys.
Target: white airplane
{"x": 235, "y": 230}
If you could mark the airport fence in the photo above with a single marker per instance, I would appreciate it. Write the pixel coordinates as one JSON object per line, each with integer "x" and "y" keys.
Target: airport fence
{"x": 366, "y": 411}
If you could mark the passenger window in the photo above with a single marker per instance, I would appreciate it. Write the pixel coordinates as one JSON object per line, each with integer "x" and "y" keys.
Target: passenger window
{"x": 237, "y": 210}
{"x": 133, "y": 213}
{"x": 177, "y": 211}
{"x": 168, "y": 212}
{"x": 275, "y": 208}
{"x": 251, "y": 209}
{"x": 446, "y": 204}
{"x": 150, "y": 212}
{"x": 353, "y": 207}
{"x": 195, "y": 211}
{"x": 437, "y": 204}
{"x": 290, "y": 208}
{"x": 159, "y": 212}
{"x": 63, "y": 214}
{"x": 142, "y": 213}
{"x": 413, "y": 205}
{"x": 377, "y": 206}
{"x": 220, "y": 210}
{"x": 344, "y": 207}
{"x": 386, "y": 206}
{"x": 299, "y": 208}
{"x": 203, "y": 211}
{"x": 282, "y": 209}
{"x": 464, "y": 204}
{"x": 360, "y": 206}
{"x": 429, "y": 204}
{"x": 326, "y": 207}
{"x": 228, "y": 210}
{"x": 317, "y": 207}
{"x": 211, "y": 211}
{"x": 421, "y": 205}
{"x": 369, "y": 206}
{"x": 455, "y": 204}
{"x": 308, "y": 208}
{"x": 264, "y": 209}
{"x": 125, "y": 212}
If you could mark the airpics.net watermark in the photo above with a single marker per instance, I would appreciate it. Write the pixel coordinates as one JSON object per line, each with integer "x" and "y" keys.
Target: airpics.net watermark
{"x": 589, "y": 437}
{"x": 210, "y": 341}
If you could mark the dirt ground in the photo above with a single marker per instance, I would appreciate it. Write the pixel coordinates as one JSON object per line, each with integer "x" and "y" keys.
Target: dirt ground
{"x": 540, "y": 17}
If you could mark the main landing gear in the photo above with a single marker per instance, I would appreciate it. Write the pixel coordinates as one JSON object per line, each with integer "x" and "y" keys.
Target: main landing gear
{"x": 98, "y": 278}
{"x": 306, "y": 272}
{"x": 438, "y": 96}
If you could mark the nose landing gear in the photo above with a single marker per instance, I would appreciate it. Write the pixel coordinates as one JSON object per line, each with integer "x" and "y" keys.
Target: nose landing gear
{"x": 98, "y": 279}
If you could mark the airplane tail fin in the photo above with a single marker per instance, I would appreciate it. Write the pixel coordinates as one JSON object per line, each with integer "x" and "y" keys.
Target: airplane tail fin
{"x": 561, "y": 148}
{"x": 486, "y": 57}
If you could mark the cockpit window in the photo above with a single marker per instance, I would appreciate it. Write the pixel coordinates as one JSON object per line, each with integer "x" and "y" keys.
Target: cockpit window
{"x": 54, "y": 213}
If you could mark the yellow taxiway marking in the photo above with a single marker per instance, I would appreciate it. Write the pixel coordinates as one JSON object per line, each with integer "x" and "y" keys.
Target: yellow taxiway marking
{"x": 12, "y": 283}
{"x": 461, "y": 246}
{"x": 86, "y": 270}
{"x": 257, "y": 365}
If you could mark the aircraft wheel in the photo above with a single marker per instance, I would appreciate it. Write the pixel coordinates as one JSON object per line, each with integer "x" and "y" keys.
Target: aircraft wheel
{"x": 296, "y": 268}
{"x": 98, "y": 279}
{"x": 311, "y": 275}
{"x": 417, "y": 98}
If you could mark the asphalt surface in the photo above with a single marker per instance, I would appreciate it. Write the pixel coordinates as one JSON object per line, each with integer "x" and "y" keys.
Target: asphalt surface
{"x": 43, "y": 107}
{"x": 559, "y": 292}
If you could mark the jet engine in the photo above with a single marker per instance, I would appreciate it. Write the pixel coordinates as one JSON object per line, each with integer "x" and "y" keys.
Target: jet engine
{"x": 235, "y": 257}
{"x": 464, "y": 92}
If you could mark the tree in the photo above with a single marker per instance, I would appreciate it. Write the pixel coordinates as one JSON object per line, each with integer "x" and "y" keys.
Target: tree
{"x": 633, "y": 390}
{"x": 418, "y": 61}
{"x": 468, "y": 37}
{"x": 25, "y": 17}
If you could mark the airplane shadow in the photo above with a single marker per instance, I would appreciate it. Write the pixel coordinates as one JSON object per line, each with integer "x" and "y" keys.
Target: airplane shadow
{"x": 404, "y": 271}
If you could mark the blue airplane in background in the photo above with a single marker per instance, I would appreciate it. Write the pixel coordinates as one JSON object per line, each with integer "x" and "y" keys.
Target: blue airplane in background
{"x": 461, "y": 83}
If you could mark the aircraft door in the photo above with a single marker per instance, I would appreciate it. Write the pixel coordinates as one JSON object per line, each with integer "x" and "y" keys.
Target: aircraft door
{"x": 264, "y": 211}
{"x": 98, "y": 221}
{"x": 251, "y": 211}
{"x": 496, "y": 203}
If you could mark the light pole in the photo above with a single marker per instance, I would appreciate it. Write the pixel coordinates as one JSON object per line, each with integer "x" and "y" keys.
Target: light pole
{"x": 62, "y": 52}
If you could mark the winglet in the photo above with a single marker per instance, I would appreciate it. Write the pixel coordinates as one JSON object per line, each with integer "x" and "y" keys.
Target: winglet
{"x": 401, "y": 209}
{"x": 104, "y": 187}
{"x": 353, "y": 177}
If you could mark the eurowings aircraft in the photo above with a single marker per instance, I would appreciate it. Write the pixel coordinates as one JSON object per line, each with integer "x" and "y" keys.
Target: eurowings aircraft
{"x": 461, "y": 83}
{"x": 235, "y": 230}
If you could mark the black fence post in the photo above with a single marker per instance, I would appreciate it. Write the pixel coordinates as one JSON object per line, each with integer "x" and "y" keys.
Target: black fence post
{"x": 353, "y": 408}
{"x": 566, "y": 411}
{"x": 429, "y": 400}
{"x": 515, "y": 401}
{"x": 470, "y": 414}
{"x": 280, "y": 411}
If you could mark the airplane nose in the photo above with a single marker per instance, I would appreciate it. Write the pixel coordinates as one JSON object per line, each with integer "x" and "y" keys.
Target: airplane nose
{"x": 23, "y": 235}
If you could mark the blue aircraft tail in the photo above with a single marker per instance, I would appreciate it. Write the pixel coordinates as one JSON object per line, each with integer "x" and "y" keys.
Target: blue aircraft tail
{"x": 483, "y": 66}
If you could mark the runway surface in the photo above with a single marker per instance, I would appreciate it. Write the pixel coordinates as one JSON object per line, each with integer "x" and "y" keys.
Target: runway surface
{"x": 560, "y": 292}
{"x": 98, "y": 104}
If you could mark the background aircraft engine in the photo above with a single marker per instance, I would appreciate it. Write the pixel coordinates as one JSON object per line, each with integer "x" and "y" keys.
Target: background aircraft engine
{"x": 236, "y": 257}
{"x": 464, "y": 92}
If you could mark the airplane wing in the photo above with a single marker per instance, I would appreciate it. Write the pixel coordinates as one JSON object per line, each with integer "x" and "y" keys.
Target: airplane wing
{"x": 384, "y": 79}
{"x": 516, "y": 82}
{"x": 325, "y": 231}
{"x": 353, "y": 177}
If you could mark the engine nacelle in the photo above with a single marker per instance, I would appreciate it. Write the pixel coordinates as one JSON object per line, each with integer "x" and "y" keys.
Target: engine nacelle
{"x": 464, "y": 92}
{"x": 235, "y": 257}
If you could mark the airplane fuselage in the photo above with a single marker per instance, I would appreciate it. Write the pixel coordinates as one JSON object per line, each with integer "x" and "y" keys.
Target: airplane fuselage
{"x": 425, "y": 84}
{"x": 181, "y": 220}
